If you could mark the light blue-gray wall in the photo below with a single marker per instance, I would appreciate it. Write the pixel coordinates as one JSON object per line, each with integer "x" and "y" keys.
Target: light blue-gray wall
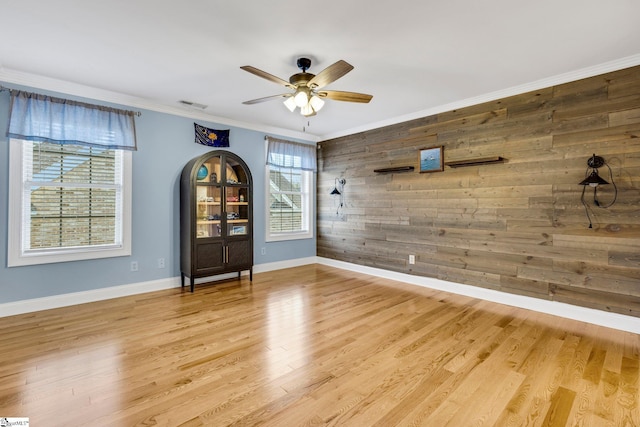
{"x": 165, "y": 145}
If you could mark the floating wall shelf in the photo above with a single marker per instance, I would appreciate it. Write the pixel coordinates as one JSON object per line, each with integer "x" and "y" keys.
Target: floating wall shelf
{"x": 395, "y": 169}
{"x": 475, "y": 162}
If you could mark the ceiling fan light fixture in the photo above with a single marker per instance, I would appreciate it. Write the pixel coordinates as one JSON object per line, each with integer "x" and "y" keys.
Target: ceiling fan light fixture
{"x": 301, "y": 98}
{"x": 306, "y": 85}
{"x": 316, "y": 102}
{"x": 307, "y": 110}
{"x": 290, "y": 103}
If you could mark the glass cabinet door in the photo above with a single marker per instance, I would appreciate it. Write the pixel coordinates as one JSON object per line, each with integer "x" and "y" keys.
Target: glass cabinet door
{"x": 209, "y": 221}
{"x": 236, "y": 199}
{"x": 209, "y": 199}
{"x": 237, "y": 211}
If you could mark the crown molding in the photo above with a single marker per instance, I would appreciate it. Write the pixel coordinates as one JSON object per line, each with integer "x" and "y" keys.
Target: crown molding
{"x": 56, "y": 85}
{"x": 70, "y": 88}
{"x": 595, "y": 70}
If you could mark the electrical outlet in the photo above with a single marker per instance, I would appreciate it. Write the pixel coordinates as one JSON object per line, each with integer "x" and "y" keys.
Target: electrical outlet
{"x": 160, "y": 262}
{"x": 134, "y": 265}
{"x": 263, "y": 251}
{"x": 412, "y": 259}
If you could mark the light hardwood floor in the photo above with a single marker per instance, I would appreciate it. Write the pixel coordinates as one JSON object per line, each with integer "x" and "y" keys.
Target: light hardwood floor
{"x": 313, "y": 345}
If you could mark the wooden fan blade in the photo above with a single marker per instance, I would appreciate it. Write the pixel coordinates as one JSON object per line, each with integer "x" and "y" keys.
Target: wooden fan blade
{"x": 267, "y": 98}
{"x": 330, "y": 74}
{"x": 338, "y": 95}
{"x": 265, "y": 75}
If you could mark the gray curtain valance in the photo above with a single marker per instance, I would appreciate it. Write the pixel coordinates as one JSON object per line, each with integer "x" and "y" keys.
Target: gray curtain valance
{"x": 289, "y": 154}
{"x": 36, "y": 117}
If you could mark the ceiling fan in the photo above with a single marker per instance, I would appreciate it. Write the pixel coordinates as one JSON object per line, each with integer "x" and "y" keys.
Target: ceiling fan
{"x": 306, "y": 86}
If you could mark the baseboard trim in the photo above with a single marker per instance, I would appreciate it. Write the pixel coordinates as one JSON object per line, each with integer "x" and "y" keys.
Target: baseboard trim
{"x": 280, "y": 265}
{"x": 65, "y": 300}
{"x": 75, "y": 298}
{"x": 583, "y": 314}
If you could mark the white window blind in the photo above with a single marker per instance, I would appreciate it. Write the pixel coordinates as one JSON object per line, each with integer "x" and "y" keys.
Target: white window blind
{"x": 73, "y": 193}
{"x": 287, "y": 200}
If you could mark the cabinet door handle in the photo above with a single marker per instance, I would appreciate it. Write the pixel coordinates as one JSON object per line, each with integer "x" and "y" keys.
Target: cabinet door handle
{"x": 226, "y": 254}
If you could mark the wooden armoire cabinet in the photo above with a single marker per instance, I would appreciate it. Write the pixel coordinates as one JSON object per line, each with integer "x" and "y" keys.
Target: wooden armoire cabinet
{"x": 216, "y": 216}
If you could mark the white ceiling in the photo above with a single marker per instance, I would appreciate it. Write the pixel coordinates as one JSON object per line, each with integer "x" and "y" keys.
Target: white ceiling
{"x": 415, "y": 57}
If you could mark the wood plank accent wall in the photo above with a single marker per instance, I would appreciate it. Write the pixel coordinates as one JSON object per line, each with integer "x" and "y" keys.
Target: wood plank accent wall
{"x": 516, "y": 227}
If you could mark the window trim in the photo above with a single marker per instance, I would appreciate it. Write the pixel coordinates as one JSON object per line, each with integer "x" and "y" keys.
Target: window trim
{"x": 298, "y": 235}
{"x": 15, "y": 255}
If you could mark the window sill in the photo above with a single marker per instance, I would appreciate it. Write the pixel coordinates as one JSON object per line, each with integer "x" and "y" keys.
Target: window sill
{"x": 289, "y": 236}
{"x": 50, "y": 257}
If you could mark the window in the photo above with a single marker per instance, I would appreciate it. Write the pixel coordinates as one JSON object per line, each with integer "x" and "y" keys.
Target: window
{"x": 289, "y": 186}
{"x": 68, "y": 200}
{"x": 289, "y": 204}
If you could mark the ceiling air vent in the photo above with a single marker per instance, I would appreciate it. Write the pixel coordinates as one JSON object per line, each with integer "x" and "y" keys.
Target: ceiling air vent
{"x": 193, "y": 105}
